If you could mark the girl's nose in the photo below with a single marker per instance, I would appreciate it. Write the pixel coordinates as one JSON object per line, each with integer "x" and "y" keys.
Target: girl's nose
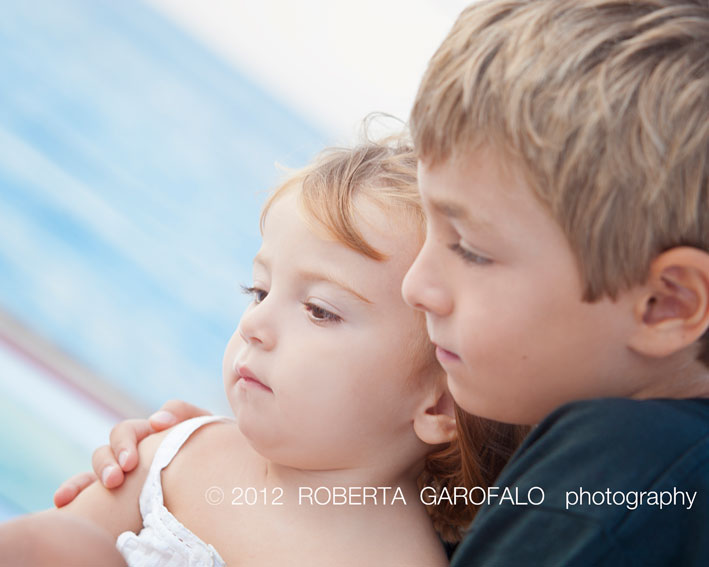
{"x": 424, "y": 288}
{"x": 256, "y": 327}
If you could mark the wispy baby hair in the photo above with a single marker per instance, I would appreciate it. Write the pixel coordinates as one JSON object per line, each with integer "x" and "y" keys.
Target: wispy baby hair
{"x": 382, "y": 171}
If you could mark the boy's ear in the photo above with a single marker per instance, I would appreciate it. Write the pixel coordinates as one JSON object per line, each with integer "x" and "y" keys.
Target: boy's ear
{"x": 673, "y": 311}
{"x": 434, "y": 422}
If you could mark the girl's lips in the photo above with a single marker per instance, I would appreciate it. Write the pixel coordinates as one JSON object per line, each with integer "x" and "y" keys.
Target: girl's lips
{"x": 252, "y": 382}
{"x": 247, "y": 380}
{"x": 444, "y": 355}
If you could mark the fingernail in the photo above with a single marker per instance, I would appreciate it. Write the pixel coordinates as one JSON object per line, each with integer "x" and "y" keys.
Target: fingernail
{"x": 122, "y": 458}
{"x": 106, "y": 473}
{"x": 163, "y": 417}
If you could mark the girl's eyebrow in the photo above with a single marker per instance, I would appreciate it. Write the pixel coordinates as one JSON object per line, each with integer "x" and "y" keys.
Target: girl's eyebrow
{"x": 320, "y": 277}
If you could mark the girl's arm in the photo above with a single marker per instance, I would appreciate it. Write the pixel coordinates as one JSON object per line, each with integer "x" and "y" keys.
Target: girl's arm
{"x": 50, "y": 539}
{"x": 83, "y": 532}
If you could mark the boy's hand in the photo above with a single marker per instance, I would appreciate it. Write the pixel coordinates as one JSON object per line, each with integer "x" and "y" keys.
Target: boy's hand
{"x": 110, "y": 462}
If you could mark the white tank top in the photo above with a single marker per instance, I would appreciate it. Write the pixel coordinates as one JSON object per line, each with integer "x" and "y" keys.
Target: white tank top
{"x": 164, "y": 541}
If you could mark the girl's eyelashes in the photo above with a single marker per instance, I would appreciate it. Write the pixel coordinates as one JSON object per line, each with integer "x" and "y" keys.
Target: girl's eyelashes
{"x": 320, "y": 314}
{"x": 257, "y": 294}
{"x": 468, "y": 256}
{"x": 316, "y": 313}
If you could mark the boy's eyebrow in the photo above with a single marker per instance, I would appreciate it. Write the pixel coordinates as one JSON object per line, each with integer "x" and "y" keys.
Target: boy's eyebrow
{"x": 320, "y": 277}
{"x": 449, "y": 209}
{"x": 455, "y": 211}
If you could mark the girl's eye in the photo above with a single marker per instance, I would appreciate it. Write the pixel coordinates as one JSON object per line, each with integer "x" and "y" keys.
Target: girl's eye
{"x": 469, "y": 256}
{"x": 320, "y": 314}
{"x": 257, "y": 294}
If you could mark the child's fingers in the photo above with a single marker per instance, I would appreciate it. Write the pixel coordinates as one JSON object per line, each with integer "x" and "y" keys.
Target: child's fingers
{"x": 68, "y": 489}
{"x": 106, "y": 467}
{"x": 172, "y": 412}
{"x": 124, "y": 442}
{"x": 110, "y": 462}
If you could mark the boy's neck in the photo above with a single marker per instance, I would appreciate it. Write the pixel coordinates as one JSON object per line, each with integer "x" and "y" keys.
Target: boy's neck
{"x": 674, "y": 378}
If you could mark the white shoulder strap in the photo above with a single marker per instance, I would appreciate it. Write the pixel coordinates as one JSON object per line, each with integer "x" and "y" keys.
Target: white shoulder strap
{"x": 152, "y": 494}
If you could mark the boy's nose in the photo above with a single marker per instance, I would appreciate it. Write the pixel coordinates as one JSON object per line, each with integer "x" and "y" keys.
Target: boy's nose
{"x": 423, "y": 287}
{"x": 255, "y": 329}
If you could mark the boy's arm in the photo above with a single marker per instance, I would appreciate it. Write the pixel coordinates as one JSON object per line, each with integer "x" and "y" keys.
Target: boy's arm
{"x": 110, "y": 462}
{"x": 117, "y": 510}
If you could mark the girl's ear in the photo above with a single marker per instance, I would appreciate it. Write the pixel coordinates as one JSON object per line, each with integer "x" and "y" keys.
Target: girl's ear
{"x": 673, "y": 311}
{"x": 434, "y": 422}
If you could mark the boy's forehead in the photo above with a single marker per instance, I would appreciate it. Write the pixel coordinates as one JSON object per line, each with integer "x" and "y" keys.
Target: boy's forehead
{"x": 457, "y": 187}
{"x": 486, "y": 162}
{"x": 484, "y": 195}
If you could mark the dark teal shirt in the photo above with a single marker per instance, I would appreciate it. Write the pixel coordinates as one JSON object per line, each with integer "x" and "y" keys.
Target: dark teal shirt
{"x": 625, "y": 483}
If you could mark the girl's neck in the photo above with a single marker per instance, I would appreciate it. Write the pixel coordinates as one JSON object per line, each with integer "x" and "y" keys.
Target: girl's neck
{"x": 368, "y": 485}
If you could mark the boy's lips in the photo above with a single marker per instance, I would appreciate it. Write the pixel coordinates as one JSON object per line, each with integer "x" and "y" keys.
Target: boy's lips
{"x": 247, "y": 378}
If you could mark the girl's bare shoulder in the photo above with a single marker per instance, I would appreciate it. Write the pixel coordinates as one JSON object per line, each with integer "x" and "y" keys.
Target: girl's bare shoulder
{"x": 216, "y": 454}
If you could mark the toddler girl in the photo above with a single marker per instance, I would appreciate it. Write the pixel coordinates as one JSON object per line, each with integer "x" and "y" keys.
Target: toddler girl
{"x": 341, "y": 412}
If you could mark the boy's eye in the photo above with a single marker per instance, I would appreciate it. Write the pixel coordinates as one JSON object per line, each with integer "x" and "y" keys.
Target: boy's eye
{"x": 257, "y": 294}
{"x": 320, "y": 314}
{"x": 468, "y": 256}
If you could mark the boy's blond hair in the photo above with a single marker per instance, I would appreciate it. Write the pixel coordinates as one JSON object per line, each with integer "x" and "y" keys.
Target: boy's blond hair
{"x": 384, "y": 173}
{"x": 605, "y": 106}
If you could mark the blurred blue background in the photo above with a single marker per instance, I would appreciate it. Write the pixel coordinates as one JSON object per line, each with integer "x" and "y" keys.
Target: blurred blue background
{"x": 132, "y": 166}
{"x": 134, "y": 157}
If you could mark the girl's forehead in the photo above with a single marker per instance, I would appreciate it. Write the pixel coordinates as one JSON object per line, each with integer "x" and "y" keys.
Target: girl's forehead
{"x": 392, "y": 231}
{"x": 292, "y": 242}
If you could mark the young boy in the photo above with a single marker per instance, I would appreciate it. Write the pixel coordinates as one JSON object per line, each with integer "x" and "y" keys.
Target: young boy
{"x": 564, "y": 167}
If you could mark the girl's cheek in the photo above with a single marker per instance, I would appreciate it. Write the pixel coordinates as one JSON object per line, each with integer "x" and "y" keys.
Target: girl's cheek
{"x": 232, "y": 349}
